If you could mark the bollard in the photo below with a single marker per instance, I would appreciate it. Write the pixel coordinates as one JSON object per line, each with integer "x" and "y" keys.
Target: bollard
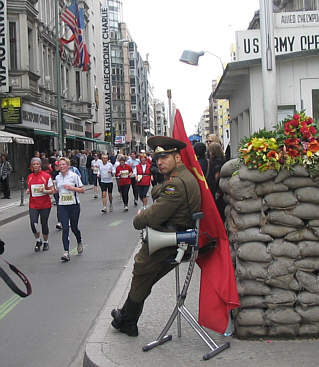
{"x": 22, "y": 190}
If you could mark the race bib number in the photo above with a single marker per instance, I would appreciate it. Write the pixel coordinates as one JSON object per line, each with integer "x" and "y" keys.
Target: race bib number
{"x": 36, "y": 190}
{"x": 124, "y": 173}
{"x": 95, "y": 170}
{"x": 139, "y": 178}
{"x": 67, "y": 198}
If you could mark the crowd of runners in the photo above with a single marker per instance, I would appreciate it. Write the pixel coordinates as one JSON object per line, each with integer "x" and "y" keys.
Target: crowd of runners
{"x": 64, "y": 178}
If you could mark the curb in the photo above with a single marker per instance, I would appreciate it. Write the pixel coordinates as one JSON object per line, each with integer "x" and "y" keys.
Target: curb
{"x": 94, "y": 355}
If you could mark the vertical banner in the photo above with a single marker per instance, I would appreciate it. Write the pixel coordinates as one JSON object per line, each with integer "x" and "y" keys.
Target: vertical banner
{"x": 106, "y": 71}
{"x": 4, "y": 76}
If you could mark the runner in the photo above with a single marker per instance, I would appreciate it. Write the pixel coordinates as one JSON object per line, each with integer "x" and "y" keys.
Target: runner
{"x": 133, "y": 161}
{"x": 105, "y": 176}
{"x": 143, "y": 178}
{"x": 124, "y": 172}
{"x": 95, "y": 170}
{"x": 40, "y": 185}
{"x": 69, "y": 184}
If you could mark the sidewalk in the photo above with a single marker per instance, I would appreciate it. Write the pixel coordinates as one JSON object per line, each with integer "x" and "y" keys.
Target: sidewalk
{"x": 106, "y": 347}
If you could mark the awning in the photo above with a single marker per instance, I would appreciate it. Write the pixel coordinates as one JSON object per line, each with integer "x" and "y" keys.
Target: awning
{"x": 45, "y": 132}
{"x": 85, "y": 138}
{"x": 6, "y": 137}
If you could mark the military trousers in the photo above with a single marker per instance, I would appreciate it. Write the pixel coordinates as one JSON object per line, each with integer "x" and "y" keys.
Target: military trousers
{"x": 149, "y": 269}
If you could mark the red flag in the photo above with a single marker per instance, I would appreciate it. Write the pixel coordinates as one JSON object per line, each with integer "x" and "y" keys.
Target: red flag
{"x": 218, "y": 289}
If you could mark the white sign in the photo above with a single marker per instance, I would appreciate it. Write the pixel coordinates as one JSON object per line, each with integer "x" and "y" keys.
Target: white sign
{"x": 285, "y": 41}
{"x": 106, "y": 66}
{"x": 297, "y": 19}
{"x": 4, "y": 75}
{"x": 119, "y": 140}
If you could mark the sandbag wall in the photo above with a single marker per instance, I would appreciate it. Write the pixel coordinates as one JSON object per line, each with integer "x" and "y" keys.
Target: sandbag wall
{"x": 272, "y": 220}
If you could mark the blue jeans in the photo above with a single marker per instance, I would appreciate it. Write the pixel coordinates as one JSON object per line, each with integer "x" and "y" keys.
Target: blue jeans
{"x": 70, "y": 213}
{"x": 84, "y": 175}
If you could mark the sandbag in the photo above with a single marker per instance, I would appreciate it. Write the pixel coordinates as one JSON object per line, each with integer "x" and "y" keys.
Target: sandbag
{"x": 308, "y": 281}
{"x": 298, "y": 170}
{"x": 280, "y": 297}
{"x": 306, "y": 299}
{"x": 252, "y": 288}
{"x": 252, "y": 301}
{"x": 315, "y": 231}
{"x": 251, "y": 270}
{"x": 288, "y": 330}
{"x": 308, "y": 264}
{"x": 253, "y": 251}
{"x": 281, "y": 248}
{"x": 240, "y": 189}
{"x": 308, "y": 194}
{"x": 281, "y": 266}
{"x": 297, "y": 182}
{"x": 252, "y": 317}
{"x": 247, "y": 206}
{"x": 255, "y": 175}
{"x": 308, "y": 315}
{"x": 282, "y": 315}
{"x": 224, "y": 185}
{"x": 287, "y": 281}
{"x": 280, "y": 200}
{"x": 246, "y": 332}
{"x": 229, "y": 167}
{"x": 309, "y": 329}
{"x": 305, "y": 211}
{"x": 283, "y": 218}
{"x": 250, "y": 235}
{"x": 269, "y": 187}
{"x": 282, "y": 175}
{"x": 243, "y": 221}
{"x": 276, "y": 231}
{"x": 309, "y": 248}
{"x": 314, "y": 223}
{"x": 301, "y": 235}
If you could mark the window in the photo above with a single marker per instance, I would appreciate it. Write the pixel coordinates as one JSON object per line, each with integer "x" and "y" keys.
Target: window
{"x": 13, "y": 46}
{"x": 133, "y": 107}
{"x": 78, "y": 85}
{"x": 30, "y": 48}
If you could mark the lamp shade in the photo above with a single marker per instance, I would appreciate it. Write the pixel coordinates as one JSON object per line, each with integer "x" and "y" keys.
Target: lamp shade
{"x": 191, "y": 57}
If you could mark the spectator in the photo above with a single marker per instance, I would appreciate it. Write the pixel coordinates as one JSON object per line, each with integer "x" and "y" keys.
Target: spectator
{"x": 89, "y": 168}
{"x": 82, "y": 167}
{"x": 5, "y": 171}
{"x": 200, "y": 151}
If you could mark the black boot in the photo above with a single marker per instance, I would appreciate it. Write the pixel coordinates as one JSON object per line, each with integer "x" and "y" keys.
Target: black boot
{"x": 125, "y": 319}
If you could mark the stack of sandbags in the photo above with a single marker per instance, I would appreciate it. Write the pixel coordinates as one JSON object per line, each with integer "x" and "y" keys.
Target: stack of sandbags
{"x": 272, "y": 220}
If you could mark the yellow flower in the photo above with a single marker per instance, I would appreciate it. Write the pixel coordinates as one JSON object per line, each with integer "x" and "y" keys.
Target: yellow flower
{"x": 309, "y": 153}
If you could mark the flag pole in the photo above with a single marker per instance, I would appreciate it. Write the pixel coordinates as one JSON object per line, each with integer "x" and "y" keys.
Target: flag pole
{"x": 58, "y": 79}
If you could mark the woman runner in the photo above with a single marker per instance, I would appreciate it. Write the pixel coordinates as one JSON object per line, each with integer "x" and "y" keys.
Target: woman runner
{"x": 143, "y": 178}
{"x": 40, "y": 186}
{"x": 69, "y": 184}
{"x": 124, "y": 172}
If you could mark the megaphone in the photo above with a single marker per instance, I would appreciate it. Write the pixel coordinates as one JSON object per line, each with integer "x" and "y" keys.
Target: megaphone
{"x": 157, "y": 240}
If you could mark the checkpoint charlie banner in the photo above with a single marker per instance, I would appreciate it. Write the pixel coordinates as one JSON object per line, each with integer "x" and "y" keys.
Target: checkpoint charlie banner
{"x": 4, "y": 76}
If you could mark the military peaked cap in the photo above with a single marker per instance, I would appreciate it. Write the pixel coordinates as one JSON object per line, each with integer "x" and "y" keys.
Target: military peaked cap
{"x": 163, "y": 145}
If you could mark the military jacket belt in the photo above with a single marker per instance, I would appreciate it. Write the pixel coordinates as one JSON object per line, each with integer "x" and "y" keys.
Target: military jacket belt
{"x": 175, "y": 200}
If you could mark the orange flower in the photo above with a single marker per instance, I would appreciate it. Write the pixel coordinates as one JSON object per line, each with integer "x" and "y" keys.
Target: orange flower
{"x": 273, "y": 154}
{"x": 314, "y": 146}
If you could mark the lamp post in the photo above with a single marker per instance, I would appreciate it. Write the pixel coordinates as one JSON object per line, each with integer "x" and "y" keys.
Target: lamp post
{"x": 58, "y": 79}
{"x": 170, "y": 117}
{"x": 191, "y": 57}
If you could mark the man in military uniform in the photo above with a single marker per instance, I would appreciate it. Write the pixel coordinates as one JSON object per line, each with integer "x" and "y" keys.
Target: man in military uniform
{"x": 175, "y": 200}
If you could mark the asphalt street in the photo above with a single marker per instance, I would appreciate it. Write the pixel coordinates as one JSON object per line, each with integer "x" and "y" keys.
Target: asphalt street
{"x": 50, "y": 327}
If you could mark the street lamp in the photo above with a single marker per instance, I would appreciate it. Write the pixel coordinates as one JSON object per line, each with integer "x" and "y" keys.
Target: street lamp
{"x": 58, "y": 79}
{"x": 191, "y": 57}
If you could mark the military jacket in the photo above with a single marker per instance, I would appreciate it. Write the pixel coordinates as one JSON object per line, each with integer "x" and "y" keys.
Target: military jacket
{"x": 175, "y": 200}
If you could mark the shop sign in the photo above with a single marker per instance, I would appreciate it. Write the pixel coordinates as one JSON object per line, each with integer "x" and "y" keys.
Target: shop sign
{"x": 4, "y": 75}
{"x": 106, "y": 66}
{"x": 285, "y": 41}
{"x": 296, "y": 19}
{"x": 119, "y": 140}
{"x": 11, "y": 110}
{"x": 36, "y": 118}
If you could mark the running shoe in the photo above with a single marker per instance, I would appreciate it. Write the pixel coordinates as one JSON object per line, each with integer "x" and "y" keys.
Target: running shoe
{"x": 66, "y": 257}
{"x": 111, "y": 208}
{"x": 104, "y": 210}
{"x": 38, "y": 245}
{"x": 135, "y": 202}
{"x": 125, "y": 208}
{"x": 80, "y": 248}
{"x": 58, "y": 226}
{"x": 45, "y": 246}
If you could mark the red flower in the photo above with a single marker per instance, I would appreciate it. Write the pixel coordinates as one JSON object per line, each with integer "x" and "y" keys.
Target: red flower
{"x": 293, "y": 152}
{"x": 312, "y": 130}
{"x": 296, "y": 116}
{"x": 314, "y": 146}
{"x": 294, "y": 123}
{"x": 309, "y": 121}
{"x": 305, "y": 132}
{"x": 292, "y": 141}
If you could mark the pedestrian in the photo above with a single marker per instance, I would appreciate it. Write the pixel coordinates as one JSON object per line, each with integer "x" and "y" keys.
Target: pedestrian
{"x": 54, "y": 173}
{"x": 73, "y": 167}
{"x": 69, "y": 185}
{"x": 95, "y": 170}
{"x": 105, "y": 175}
{"x": 157, "y": 177}
{"x": 133, "y": 161}
{"x": 200, "y": 151}
{"x": 46, "y": 166}
{"x": 143, "y": 178}
{"x": 124, "y": 172}
{"x": 82, "y": 167}
{"x": 176, "y": 199}
{"x": 40, "y": 186}
{"x": 5, "y": 171}
{"x": 89, "y": 168}
{"x": 216, "y": 161}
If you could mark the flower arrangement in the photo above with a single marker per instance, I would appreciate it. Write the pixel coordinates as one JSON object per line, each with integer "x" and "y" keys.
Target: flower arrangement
{"x": 294, "y": 141}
